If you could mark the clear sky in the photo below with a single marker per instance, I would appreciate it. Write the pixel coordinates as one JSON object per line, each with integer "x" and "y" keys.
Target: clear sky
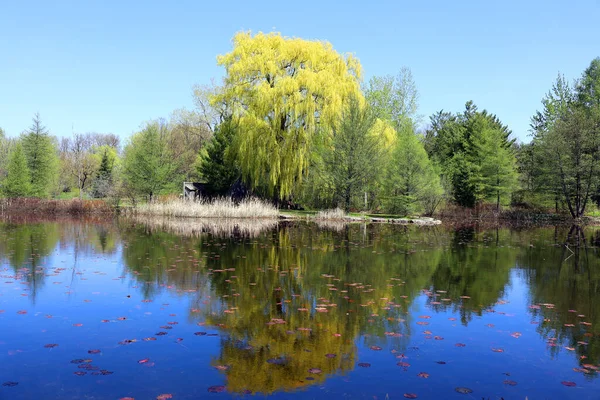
{"x": 107, "y": 66}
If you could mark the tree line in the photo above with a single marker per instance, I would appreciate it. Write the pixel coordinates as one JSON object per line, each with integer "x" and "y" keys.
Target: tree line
{"x": 293, "y": 121}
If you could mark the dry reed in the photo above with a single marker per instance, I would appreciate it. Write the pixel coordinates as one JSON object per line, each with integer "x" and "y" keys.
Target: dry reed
{"x": 219, "y": 208}
{"x": 334, "y": 214}
{"x": 222, "y": 228}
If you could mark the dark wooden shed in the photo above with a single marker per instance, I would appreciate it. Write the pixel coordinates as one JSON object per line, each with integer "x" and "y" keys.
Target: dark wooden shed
{"x": 193, "y": 190}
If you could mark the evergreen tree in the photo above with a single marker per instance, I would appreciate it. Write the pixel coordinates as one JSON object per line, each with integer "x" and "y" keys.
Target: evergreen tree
{"x": 493, "y": 165}
{"x": 351, "y": 161}
{"x": 475, "y": 152}
{"x": 103, "y": 181}
{"x": 42, "y": 158}
{"x": 217, "y": 166}
{"x": 18, "y": 180}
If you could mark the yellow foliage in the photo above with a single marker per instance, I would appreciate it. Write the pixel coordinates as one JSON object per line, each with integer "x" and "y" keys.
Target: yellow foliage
{"x": 283, "y": 90}
{"x": 386, "y": 133}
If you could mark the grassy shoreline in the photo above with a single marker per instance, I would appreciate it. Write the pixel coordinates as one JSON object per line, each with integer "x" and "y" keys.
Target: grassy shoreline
{"x": 253, "y": 209}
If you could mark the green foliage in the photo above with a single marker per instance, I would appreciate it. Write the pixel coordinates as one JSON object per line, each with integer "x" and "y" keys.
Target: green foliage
{"x": 18, "y": 180}
{"x": 493, "y": 165}
{"x": 412, "y": 184}
{"x": 566, "y": 136}
{"x": 351, "y": 162}
{"x": 5, "y": 147}
{"x": 217, "y": 168}
{"x": 103, "y": 181}
{"x": 569, "y": 151}
{"x": 42, "y": 158}
{"x": 475, "y": 153}
{"x": 588, "y": 87}
{"x": 149, "y": 167}
{"x": 394, "y": 98}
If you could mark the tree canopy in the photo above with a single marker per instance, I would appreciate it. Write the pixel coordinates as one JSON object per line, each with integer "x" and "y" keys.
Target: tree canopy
{"x": 284, "y": 91}
{"x": 149, "y": 166}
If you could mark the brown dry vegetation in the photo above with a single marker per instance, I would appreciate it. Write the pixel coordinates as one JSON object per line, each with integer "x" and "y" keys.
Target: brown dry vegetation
{"x": 34, "y": 206}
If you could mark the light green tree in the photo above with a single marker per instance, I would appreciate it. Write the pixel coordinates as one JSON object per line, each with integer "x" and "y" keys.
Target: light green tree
{"x": 5, "y": 145}
{"x": 493, "y": 164}
{"x": 570, "y": 152}
{"x": 566, "y": 135}
{"x": 42, "y": 158}
{"x": 17, "y": 182}
{"x": 149, "y": 167}
{"x": 394, "y": 98}
{"x": 412, "y": 183}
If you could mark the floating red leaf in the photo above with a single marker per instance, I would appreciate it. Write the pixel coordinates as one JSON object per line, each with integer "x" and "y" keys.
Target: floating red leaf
{"x": 216, "y": 389}
{"x": 463, "y": 390}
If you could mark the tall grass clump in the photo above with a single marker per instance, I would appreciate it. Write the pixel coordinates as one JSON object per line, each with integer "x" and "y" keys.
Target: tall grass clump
{"x": 218, "y": 208}
{"x": 334, "y": 214}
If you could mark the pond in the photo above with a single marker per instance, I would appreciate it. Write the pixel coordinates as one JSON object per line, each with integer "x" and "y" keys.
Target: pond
{"x": 187, "y": 310}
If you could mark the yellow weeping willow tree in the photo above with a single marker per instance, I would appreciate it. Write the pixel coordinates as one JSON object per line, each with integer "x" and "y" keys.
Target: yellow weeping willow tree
{"x": 283, "y": 90}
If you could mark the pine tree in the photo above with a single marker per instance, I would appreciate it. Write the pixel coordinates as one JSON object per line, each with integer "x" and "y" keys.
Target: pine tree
{"x": 103, "y": 181}
{"x": 475, "y": 152}
{"x": 17, "y": 182}
{"x": 42, "y": 158}
{"x": 351, "y": 161}
{"x": 217, "y": 168}
{"x": 493, "y": 164}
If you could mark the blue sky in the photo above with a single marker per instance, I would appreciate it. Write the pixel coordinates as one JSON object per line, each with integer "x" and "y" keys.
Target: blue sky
{"x": 107, "y": 66}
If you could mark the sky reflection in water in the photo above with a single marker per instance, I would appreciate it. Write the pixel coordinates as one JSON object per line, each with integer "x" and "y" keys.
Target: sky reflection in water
{"x": 131, "y": 309}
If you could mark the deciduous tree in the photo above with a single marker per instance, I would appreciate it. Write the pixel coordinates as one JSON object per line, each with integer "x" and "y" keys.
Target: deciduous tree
{"x": 283, "y": 90}
{"x": 394, "y": 98}
{"x": 149, "y": 166}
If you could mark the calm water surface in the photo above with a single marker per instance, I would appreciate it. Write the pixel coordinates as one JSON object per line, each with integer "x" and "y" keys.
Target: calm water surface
{"x": 186, "y": 310}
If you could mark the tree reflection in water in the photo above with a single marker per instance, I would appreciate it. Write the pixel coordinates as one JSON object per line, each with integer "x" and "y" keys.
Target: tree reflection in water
{"x": 296, "y": 299}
